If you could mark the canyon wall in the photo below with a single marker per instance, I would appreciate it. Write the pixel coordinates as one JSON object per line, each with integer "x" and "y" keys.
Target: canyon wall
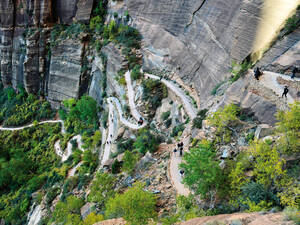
{"x": 198, "y": 40}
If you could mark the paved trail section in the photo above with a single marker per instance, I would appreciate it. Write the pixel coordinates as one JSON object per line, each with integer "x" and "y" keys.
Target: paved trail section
{"x": 188, "y": 106}
{"x": 31, "y": 125}
{"x": 68, "y": 152}
{"x": 269, "y": 80}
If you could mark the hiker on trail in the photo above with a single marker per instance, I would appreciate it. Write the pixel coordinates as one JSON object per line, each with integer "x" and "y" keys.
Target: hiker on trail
{"x": 257, "y": 73}
{"x": 140, "y": 122}
{"x": 181, "y": 151}
{"x": 181, "y": 172}
{"x": 285, "y": 91}
{"x": 295, "y": 70}
{"x": 175, "y": 150}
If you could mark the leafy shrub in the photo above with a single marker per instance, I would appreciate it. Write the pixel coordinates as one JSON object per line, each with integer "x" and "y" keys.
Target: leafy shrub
{"x": 289, "y": 127}
{"x": 255, "y": 193}
{"x": 261, "y": 206}
{"x": 250, "y": 137}
{"x": 239, "y": 70}
{"x": 222, "y": 119}
{"x": 81, "y": 115}
{"x": 124, "y": 144}
{"x": 51, "y": 194}
{"x": 202, "y": 171}
{"x": 135, "y": 72}
{"x": 90, "y": 162}
{"x": 92, "y": 218}
{"x": 292, "y": 23}
{"x": 168, "y": 123}
{"x": 129, "y": 161}
{"x": 197, "y": 122}
{"x": 165, "y": 115}
{"x": 177, "y": 129}
{"x": 102, "y": 189}
{"x": 19, "y": 109}
{"x": 28, "y": 163}
{"x": 153, "y": 92}
{"x": 116, "y": 167}
{"x": 68, "y": 212}
{"x": 146, "y": 141}
{"x": 268, "y": 167}
{"x": 135, "y": 205}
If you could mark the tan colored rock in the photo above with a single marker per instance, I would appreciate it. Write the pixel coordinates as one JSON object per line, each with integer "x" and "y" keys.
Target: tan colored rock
{"x": 246, "y": 218}
{"x": 119, "y": 221}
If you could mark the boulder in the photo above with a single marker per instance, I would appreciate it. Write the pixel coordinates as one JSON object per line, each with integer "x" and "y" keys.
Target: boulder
{"x": 242, "y": 141}
{"x": 263, "y": 130}
{"x": 86, "y": 209}
{"x": 145, "y": 160}
{"x": 225, "y": 150}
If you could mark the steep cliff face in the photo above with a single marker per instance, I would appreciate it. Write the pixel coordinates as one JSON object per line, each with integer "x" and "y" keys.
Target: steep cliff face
{"x": 197, "y": 40}
{"x": 25, "y": 27}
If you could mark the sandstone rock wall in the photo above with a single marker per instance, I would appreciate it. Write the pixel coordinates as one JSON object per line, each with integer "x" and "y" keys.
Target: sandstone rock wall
{"x": 65, "y": 71}
{"x": 199, "y": 39}
{"x": 24, "y": 35}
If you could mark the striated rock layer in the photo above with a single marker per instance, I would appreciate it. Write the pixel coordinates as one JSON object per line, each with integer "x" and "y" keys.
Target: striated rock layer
{"x": 196, "y": 39}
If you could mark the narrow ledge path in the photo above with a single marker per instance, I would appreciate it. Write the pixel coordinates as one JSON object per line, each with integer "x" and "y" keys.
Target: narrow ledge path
{"x": 188, "y": 106}
{"x": 269, "y": 80}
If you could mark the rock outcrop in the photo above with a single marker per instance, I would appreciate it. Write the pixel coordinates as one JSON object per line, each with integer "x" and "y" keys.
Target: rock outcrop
{"x": 65, "y": 71}
{"x": 197, "y": 38}
{"x": 241, "y": 218}
{"x": 283, "y": 54}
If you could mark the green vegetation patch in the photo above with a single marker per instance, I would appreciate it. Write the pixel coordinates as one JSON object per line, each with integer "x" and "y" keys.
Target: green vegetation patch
{"x": 28, "y": 162}
{"x": 20, "y": 108}
{"x": 154, "y": 92}
{"x": 135, "y": 205}
{"x": 80, "y": 115}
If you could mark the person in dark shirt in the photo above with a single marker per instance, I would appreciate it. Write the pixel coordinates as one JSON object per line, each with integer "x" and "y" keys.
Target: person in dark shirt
{"x": 257, "y": 73}
{"x": 295, "y": 70}
{"x": 285, "y": 91}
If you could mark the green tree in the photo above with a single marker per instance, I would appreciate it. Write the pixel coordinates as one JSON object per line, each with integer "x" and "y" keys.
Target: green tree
{"x": 146, "y": 141}
{"x": 202, "y": 171}
{"x": 289, "y": 127}
{"x": 222, "y": 120}
{"x": 129, "y": 161}
{"x": 68, "y": 212}
{"x": 92, "y": 218}
{"x": 135, "y": 205}
{"x": 268, "y": 166}
{"x": 136, "y": 73}
{"x": 102, "y": 189}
